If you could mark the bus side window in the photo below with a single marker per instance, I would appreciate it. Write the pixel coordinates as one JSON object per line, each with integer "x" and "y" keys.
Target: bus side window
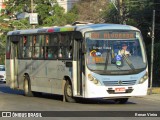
{"x": 8, "y": 48}
{"x": 26, "y": 47}
{"x": 60, "y": 48}
{"x": 20, "y": 48}
{"x": 38, "y": 46}
{"x": 35, "y": 47}
{"x": 51, "y": 45}
{"x": 65, "y": 46}
{"x": 69, "y": 46}
{"x": 69, "y": 52}
{"x": 41, "y": 44}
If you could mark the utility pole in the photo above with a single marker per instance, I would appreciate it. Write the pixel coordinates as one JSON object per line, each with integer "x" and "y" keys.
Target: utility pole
{"x": 152, "y": 52}
{"x": 120, "y": 11}
{"x": 31, "y": 6}
{"x": 33, "y": 26}
{"x": 113, "y": 2}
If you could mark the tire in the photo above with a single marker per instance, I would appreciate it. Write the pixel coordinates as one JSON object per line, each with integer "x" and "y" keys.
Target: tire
{"x": 68, "y": 92}
{"x": 121, "y": 100}
{"x": 27, "y": 87}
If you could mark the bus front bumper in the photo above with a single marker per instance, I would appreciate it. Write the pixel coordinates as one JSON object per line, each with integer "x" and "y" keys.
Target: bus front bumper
{"x": 109, "y": 92}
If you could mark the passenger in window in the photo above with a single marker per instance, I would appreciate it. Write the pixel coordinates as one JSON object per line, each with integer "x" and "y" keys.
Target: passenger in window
{"x": 29, "y": 52}
{"x": 46, "y": 53}
{"x": 26, "y": 48}
{"x": 70, "y": 52}
{"x": 25, "y": 40}
{"x": 42, "y": 52}
{"x": 36, "y": 55}
{"x": 47, "y": 40}
{"x": 60, "y": 53}
{"x": 50, "y": 53}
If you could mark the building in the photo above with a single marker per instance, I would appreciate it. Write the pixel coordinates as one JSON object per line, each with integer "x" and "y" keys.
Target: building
{"x": 67, "y": 4}
{"x": 2, "y": 6}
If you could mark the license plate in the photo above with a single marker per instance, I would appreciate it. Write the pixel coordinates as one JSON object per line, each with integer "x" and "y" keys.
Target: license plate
{"x": 120, "y": 90}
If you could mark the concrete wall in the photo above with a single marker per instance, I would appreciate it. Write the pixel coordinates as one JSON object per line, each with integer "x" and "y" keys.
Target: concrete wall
{"x": 67, "y": 4}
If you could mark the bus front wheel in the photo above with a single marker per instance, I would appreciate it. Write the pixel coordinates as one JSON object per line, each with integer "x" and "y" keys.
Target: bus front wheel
{"x": 121, "y": 100}
{"x": 27, "y": 87}
{"x": 68, "y": 92}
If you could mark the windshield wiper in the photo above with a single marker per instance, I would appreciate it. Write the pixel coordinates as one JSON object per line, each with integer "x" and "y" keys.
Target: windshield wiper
{"x": 128, "y": 61}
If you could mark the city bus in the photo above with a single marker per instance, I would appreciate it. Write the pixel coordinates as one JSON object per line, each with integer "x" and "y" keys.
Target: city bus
{"x": 83, "y": 61}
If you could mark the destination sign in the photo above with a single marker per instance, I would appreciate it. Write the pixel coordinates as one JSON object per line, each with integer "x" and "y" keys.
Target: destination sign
{"x": 112, "y": 35}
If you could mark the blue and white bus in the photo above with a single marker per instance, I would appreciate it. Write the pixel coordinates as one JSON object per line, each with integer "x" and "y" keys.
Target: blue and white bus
{"x": 78, "y": 61}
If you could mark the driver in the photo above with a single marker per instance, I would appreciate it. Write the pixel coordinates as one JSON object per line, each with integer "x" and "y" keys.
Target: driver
{"x": 124, "y": 50}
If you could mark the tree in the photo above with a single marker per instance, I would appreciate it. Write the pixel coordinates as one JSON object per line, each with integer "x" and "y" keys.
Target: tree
{"x": 90, "y": 10}
{"x": 110, "y": 15}
{"x": 49, "y": 12}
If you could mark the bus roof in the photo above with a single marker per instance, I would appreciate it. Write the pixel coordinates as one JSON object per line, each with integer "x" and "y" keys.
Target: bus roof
{"x": 82, "y": 28}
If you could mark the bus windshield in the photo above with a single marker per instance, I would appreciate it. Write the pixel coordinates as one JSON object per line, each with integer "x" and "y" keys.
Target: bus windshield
{"x": 112, "y": 51}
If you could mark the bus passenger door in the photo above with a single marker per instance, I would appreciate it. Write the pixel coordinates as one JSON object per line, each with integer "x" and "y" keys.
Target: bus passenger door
{"x": 77, "y": 68}
{"x": 14, "y": 64}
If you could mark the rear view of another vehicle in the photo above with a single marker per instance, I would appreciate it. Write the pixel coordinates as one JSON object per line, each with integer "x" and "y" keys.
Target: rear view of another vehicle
{"x": 2, "y": 73}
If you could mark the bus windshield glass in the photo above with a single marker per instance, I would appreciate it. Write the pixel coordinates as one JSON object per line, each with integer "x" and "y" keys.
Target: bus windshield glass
{"x": 115, "y": 51}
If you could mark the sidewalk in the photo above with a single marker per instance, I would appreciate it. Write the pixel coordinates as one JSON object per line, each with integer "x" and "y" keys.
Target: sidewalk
{"x": 153, "y": 97}
{"x": 155, "y": 94}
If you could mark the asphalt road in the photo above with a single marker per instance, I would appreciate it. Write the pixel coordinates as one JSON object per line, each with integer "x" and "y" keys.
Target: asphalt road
{"x": 14, "y": 100}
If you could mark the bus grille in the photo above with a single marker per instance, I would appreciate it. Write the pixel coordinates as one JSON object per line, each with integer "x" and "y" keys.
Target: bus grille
{"x": 119, "y": 83}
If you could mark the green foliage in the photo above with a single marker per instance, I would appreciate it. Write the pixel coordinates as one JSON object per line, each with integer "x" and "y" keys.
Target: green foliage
{"x": 49, "y": 13}
{"x": 110, "y": 14}
{"x": 74, "y": 9}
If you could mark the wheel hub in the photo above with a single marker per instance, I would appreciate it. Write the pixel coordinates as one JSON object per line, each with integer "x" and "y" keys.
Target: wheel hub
{"x": 69, "y": 91}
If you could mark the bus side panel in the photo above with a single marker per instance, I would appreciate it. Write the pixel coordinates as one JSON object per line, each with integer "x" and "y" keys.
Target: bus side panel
{"x": 12, "y": 80}
{"x": 74, "y": 78}
{"x": 24, "y": 67}
{"x": 40, "y": 80}
{"x": 62, "y": 72}
{"x": 8, "y": 72}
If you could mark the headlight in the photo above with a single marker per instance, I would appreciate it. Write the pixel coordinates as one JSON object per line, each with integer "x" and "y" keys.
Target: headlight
{"x": 94, "y": 80}
{"x": 144, "y": 78}
{"x": 90, "y": 77}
